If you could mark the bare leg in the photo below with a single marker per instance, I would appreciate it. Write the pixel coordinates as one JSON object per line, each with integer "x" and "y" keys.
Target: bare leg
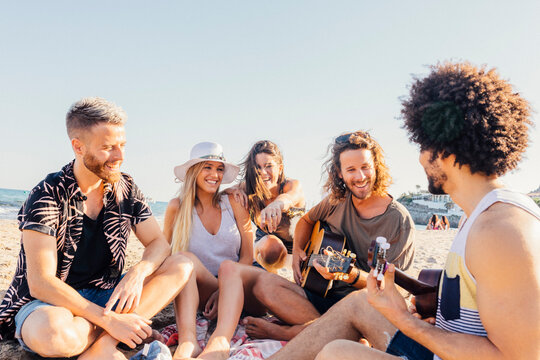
{"x": 197, "y": 291}
{"x": 350, "y": 350}
{"x": 53, "y": 331}
{"x": 287, "y": 301}
{"x": 349, "y": 319}
{"x": 271, "y": 253}
{"x": 236, "y": 282}
{"x": 159, "y": 290}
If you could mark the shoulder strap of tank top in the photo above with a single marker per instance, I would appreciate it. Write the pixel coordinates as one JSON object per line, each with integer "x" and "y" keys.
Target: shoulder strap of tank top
{"x": 227, "y": 205}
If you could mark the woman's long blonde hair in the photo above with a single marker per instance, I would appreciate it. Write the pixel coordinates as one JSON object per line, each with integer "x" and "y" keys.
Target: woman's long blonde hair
{"x": 184, "y": 217}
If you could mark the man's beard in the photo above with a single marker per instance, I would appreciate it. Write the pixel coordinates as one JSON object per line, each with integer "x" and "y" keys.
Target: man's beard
{"x": 99, "y": 169}
{"x": 365, "y": 193}
{"x": 435, "y": 184}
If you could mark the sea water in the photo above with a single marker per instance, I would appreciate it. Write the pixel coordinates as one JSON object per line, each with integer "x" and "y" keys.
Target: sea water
{"x": 11, "y": 201}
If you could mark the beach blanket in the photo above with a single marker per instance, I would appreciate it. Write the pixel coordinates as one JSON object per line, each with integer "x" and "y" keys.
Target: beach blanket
{"x": 242, "y": 346}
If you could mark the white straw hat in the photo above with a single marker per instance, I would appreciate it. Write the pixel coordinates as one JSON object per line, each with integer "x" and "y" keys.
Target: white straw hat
{"x": 207, "y": 151}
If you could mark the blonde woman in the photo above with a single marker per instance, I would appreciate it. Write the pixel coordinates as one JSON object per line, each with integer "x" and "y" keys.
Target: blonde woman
{"x": 215, "y": 233}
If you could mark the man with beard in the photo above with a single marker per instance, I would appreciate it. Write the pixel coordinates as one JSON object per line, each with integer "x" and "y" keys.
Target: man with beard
{"x": 68, "y": 295}
{"x": 472, "y": 127}
{"x": 359, "y": 208}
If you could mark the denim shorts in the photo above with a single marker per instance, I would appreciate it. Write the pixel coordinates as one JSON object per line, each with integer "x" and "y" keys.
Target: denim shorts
{"x": 407, "y": 348}
{"x": 95, "y": 295}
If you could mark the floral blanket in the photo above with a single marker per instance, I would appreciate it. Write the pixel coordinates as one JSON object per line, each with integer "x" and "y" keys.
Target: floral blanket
{"x": 242, "y": 346}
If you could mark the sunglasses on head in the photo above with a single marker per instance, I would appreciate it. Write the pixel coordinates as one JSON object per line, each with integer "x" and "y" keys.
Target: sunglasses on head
{"x": 342, "y": 139}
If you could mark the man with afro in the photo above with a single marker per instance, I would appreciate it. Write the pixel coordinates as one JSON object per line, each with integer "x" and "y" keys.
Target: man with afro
{"x": 472, "y": 127}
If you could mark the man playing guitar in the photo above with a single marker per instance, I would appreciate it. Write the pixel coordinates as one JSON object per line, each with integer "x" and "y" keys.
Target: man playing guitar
{"x": 359, "y": 209}
{"x": 472, "y": 127}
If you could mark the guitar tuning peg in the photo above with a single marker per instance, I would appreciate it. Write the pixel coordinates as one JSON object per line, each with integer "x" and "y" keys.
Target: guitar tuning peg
{"x": 380, "y": 240}
{"x": 346, "y": 277}
{"x": 340, "y": 277}
{"x": 348, "y": 253}
{"x": 344, "y": 251}
{"x": 353, "y": 255}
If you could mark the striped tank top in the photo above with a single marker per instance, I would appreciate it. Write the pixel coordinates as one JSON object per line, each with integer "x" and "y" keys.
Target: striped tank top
{"x": 457, "y": 309}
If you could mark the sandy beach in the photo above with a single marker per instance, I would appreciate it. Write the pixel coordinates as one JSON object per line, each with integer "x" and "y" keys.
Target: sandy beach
{"x": 431, "y": 250}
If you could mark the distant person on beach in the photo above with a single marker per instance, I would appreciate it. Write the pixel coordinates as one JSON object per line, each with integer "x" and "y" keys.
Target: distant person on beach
{"x": 275, "y": 203}
{"x": 215, "y": 232}
{"x": 358, "y": 208}
{"x": 68, "y": 295}
{"x": 444, "y": 223}
{"x": 472, "y": 128}
{"x": 434, "y": 223}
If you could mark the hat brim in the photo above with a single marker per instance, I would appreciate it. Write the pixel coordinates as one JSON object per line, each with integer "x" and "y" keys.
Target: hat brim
{"x": 230, "y": 174}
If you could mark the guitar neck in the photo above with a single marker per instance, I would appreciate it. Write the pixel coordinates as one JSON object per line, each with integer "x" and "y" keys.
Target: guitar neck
{"x": 412, "y": 285}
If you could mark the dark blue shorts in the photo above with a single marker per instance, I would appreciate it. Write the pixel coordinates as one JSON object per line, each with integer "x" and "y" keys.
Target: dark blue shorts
{"x": 322, "y": 304}
{"x": 407, "y": 348}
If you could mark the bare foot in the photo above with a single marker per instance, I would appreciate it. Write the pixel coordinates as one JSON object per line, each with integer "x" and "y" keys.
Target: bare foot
{"x": 258, "y": 328}
{"x": 187, "y": 349}
{"x": 217, "y": 349}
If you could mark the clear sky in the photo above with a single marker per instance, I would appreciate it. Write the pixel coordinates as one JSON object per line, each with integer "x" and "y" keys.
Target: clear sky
{"x": 294, "y": 72}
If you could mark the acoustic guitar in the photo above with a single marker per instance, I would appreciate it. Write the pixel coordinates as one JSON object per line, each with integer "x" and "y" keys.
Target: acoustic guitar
{"x": 425, "y": 288}
{"x": 339, "y": 261}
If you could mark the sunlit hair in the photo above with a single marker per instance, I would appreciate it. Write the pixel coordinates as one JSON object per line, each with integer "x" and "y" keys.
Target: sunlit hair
{"x": 255, "y": 189}
{"x": 471, "y": 113}
{"x": 91, "y": 111}
{"x": 184, "y": 217}
{"x": 352, "y": 141}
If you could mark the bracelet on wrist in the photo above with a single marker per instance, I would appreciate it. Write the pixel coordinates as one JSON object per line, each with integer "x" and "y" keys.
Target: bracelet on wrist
{"x": 357, "y": 277}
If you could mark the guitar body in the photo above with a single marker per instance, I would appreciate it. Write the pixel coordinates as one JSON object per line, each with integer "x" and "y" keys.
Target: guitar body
{"x": 426, "y": 304}
{"x": 321, "y": 238}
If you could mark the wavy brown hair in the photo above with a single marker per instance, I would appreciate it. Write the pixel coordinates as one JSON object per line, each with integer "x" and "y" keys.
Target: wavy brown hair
{"x": 255, "y": 189}
{"x": 469, "y": 112}
{"x": 352, "y": 141}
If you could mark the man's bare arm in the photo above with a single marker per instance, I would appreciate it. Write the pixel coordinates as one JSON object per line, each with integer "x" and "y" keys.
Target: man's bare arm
{"x": 157, "y": 249}
{"x": 40, "y": 250}
{"x": 502, "y": 255}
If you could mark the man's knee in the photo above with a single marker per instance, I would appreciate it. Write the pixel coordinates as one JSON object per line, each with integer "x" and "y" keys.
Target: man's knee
{"x": 355, "y": 301}
{"x": 272, "y": 253}
{"x": 51, "y": 332}
{"x": 178, "y": 265}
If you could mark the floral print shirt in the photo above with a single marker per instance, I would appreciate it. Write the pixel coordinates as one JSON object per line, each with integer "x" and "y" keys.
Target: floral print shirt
{"x": 55, "y": 207}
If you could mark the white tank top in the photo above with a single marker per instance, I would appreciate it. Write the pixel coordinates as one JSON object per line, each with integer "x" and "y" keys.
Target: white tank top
{"x": 457, "y": 309}
{"x": 213, "y": 249}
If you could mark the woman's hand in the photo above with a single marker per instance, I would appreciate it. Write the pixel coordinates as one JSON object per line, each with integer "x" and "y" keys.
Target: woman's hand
{"x": 211, "y": 308}
{"x": 271, "y": 216}
{"x": 239, "y": 195}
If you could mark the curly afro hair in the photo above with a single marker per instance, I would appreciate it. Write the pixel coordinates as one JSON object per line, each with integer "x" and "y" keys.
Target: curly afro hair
{"x": 471, "y": 113}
